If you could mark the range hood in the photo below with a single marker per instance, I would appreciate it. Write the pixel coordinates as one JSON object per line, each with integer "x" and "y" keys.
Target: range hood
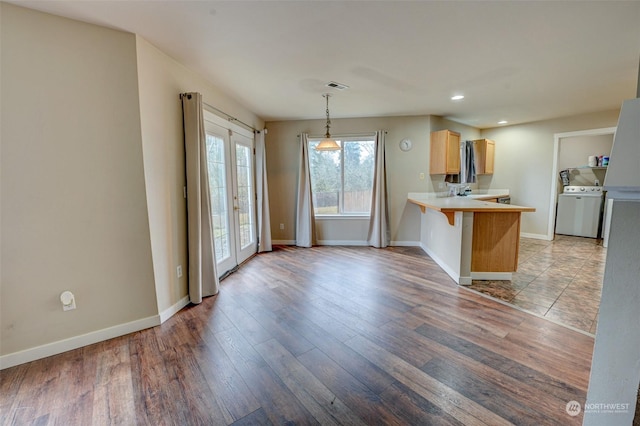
{"x": 623, "y": 174}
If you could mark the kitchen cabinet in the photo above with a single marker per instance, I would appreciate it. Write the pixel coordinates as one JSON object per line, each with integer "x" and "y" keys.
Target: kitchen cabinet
{"x": 444, "y": 153}
{"x": 484, "y": 155}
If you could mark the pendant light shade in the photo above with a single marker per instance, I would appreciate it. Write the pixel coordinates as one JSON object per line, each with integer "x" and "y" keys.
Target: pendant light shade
{"x": 328, "y": 143}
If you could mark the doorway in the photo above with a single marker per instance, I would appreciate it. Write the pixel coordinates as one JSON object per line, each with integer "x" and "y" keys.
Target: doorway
{"x": 231, "y": 171}
{"x": 558, "y": 137}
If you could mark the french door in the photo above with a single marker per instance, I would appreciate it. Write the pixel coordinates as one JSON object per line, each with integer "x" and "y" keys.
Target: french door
{"x": 231, "y": 186}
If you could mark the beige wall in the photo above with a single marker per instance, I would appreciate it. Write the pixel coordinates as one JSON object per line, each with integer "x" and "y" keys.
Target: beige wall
{"x": 92, "y": 174}
{"x": 74, "y": 210}
{"x": 161, "y": 79}
{"x": 403, "y": 172}
{"x": 92, "y": 178}
{"x": 524, "y": 161}
{"x": 574, "y": 153}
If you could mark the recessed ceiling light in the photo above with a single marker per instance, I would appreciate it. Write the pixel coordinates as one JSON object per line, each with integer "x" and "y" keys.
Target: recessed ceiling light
{"x": 502, "y": 122}
{"x": 457, "y": 97}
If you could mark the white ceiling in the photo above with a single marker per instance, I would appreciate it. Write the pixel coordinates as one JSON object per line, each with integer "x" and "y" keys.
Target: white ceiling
{"x": 517, "y": 61}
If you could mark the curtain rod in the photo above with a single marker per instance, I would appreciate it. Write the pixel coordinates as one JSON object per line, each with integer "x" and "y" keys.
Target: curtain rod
{"x": 229, "y": 117}
{"x": 344, "y": 135}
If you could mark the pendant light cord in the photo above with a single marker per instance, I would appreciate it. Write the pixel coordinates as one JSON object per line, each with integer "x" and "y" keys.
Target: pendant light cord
{"x": 328, "y": 136}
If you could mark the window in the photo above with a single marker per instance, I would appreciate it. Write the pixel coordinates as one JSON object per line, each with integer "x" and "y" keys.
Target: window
{"x": 342, "y": 181}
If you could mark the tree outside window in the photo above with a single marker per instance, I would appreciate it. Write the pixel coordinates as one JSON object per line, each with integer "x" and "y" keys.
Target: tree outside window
{"x": 342, "y": 181}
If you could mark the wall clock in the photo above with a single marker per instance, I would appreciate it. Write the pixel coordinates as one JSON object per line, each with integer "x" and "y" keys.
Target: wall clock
{"x": 405, "y": 145}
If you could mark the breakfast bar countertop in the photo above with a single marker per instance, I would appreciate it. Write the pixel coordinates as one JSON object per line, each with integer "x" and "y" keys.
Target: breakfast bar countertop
{"x": 469, "y": 203}
{"x": 473, "y": 236}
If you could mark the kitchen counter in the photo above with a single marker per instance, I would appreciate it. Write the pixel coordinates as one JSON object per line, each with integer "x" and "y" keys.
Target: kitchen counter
{"x": 469, "y": 237}
{"x": 468, "y": 203}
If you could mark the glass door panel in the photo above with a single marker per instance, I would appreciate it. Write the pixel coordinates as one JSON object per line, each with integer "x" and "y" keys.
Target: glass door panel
{"x": 230, "y": 165}
{"x": 218, "y": 160}
{"x": 244, "y": 191}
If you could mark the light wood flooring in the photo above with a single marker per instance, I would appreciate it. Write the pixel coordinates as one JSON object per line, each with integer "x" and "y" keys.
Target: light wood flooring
{"x": 560, "y": 280}
{"x": 328, "y": 335}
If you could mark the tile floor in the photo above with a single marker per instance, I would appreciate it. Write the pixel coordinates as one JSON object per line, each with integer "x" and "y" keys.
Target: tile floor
{"x": 560, "y": 279}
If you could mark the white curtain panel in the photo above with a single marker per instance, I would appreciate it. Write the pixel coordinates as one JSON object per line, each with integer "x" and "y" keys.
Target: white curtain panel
{"x": 305, "y": 217}
{"x": 379, "y": 222}
{"x": 264, "y": 220}
{"x": 203, "y": 277}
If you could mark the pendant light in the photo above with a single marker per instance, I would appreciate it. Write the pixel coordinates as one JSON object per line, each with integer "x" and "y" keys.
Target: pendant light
{"x": 328, "y": 143}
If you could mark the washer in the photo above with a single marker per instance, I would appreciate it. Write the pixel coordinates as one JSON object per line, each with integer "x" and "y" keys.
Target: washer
{"x": 580, "y": 211}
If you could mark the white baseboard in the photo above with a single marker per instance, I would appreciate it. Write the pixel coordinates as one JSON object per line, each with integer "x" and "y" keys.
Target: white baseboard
{"x": 405, "y": 244}
{"x": 453, "y": 274}
{"x": 342, "y": 243}
{"x": 535, "y": 236}
{"x": 347, "y": 243}
{"x": 174, "y": 309}
{"x": 465, "y": 281}
{"x": 487, "y": 276}
{"x": 76, "y": 342}
{"x": 283, "y": 242}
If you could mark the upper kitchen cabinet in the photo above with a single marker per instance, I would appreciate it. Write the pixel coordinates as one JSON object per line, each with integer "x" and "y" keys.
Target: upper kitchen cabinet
{"x": 484, "y": 152}
{"x": 445, "y": 153}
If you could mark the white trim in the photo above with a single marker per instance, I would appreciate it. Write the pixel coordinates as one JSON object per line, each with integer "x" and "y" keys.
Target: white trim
{"x": 453, "y": 274}
{"x": 536, "y": 236}
{"x": 76, "y": 342}
{"x": 174, "y": 309}
{"x": 465, "y": 280}
{"x": 554, "y": 169}
{"x": 341, "y": 217}
{"x": 405, "y": 244}
{"x": 283, "y": 242}
{"x": 391, "y": 244}
{"x": 342, "y": 243}
{"x": 503, "y": 276}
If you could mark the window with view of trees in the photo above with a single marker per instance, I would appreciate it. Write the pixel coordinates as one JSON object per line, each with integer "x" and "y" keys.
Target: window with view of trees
{"x": 342, "y": 181}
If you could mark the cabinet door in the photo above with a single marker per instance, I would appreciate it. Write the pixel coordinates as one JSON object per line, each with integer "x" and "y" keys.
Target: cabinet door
{"x": 444, "y": 153}
{"x": 484, "y": 151}
{"x": 453, "y": 153}
{"x": 489, "y": 159}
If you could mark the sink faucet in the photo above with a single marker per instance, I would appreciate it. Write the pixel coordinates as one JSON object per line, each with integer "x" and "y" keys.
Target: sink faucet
{"x": 459, "y": 189}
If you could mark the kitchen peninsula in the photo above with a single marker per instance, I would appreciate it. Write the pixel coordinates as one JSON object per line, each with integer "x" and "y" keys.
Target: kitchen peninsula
{"x": 469, "y": 236}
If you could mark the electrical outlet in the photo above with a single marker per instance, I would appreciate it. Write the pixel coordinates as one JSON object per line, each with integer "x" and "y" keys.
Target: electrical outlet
{"x": 421, "y": 176}
{"x": 179, "y": 271}
{"x": 282, "y": 226}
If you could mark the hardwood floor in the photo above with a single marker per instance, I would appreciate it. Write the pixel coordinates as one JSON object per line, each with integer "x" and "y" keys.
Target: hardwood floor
{"x": 328, "y": 335}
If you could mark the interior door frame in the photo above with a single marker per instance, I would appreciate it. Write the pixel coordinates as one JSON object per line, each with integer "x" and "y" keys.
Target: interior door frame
{"x": 557, "y": 137}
